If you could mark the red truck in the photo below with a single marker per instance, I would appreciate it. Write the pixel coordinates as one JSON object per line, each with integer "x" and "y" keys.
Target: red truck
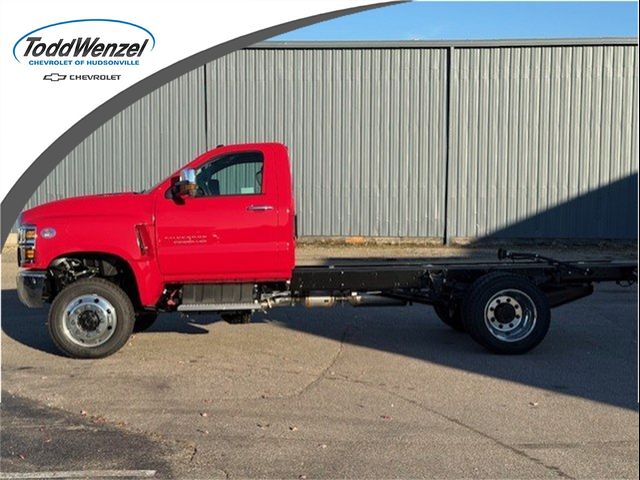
{"x": 220, "y": 236}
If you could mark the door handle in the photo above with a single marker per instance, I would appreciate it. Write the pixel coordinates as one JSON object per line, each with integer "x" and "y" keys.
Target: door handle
{"x": 259, "y": 208}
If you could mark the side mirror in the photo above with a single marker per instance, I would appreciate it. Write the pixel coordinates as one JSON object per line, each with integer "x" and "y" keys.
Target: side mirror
{"x": 186, "y": 185}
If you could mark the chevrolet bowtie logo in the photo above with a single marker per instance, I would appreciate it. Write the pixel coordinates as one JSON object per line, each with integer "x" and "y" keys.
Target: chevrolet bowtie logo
{"x": 54, "y": 77}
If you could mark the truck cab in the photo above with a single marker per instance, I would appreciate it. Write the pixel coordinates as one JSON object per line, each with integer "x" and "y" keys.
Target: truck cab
{"x": 226, "y": 216}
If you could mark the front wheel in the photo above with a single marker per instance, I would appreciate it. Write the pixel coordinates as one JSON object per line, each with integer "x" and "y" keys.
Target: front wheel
{"x": 91, "y": 318}
{"x": 506, "y": 313}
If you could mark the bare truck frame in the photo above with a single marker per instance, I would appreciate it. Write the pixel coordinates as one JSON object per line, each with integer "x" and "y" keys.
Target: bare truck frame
{"x": 504, "y": 304}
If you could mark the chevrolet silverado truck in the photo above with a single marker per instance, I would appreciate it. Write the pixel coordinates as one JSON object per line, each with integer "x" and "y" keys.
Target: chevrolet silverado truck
{"x": 220, "y": 236}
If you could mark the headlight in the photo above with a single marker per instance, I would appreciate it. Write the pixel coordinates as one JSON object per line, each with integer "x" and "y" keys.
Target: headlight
{"x": 27, "y": 235}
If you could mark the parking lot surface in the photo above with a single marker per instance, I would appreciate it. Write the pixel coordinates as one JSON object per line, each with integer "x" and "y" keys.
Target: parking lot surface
{"x": 343, "y": 392}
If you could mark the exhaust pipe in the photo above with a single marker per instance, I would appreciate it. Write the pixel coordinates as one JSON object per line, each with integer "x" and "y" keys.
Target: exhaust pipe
{"x": 375, "y": 301}
{"x": 326, "y": 301}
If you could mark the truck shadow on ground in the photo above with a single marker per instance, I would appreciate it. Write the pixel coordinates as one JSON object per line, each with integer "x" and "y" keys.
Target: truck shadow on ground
{"x": 586, "y": 354}
{"x": 590, "y": 351}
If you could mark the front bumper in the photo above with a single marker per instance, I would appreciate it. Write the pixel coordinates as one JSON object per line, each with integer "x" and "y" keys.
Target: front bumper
{"x": 31, "y": 285}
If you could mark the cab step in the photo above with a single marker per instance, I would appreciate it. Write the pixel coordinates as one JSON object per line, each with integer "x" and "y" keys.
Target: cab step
{"x": 218, "y": 307}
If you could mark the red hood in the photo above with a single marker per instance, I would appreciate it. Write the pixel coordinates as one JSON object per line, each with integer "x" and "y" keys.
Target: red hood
{"x": 137, "y": 205}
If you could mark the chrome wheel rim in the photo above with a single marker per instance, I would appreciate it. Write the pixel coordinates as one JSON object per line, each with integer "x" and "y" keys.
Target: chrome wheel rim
{"x": 89, "y": 320}
{"x": 510, "y": 315}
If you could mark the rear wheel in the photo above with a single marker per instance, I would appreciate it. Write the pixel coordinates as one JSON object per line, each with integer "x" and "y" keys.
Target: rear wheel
{"x": 450, "y": 313}
{"x": 506, "y": 313}
{"x": 91, "y": 318}
{"x": 236, "y": 318}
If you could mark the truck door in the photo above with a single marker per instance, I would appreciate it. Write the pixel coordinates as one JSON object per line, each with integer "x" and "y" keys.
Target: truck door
{"x": 229, "y": 230}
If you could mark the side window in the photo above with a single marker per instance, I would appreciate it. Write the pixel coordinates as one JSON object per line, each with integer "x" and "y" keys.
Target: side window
{"x": 234, "y": 174}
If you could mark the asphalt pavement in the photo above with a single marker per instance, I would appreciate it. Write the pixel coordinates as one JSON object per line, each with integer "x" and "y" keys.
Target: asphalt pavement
{"x": 326, "y": 393}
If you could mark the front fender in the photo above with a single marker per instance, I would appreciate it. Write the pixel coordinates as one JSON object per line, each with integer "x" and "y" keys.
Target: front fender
{"x": 125, "y": 238}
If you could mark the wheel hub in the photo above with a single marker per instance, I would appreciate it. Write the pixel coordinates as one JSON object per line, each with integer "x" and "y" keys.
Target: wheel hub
{"x": 510, "y": 315}
{"x": 505, "y": 313}
{"x": 89, "y": 320}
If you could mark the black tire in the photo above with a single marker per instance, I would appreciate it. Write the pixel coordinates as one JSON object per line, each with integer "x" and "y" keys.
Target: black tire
{"x": 144, "y": 320}
{"x": 450, "y": 314}
{"x": 121, "y": 303}
{"x": 237, "y": 318}
{"x": 479, "y": 301}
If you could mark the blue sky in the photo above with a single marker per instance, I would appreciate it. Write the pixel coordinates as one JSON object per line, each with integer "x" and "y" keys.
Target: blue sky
{"x": 479, "y": 20}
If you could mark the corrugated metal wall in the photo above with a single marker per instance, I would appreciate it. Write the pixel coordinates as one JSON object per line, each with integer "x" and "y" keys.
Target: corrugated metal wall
{"x": 138, "y": 147}
{"x": 544, "y": 142}
{"x": 398, "y": 141}
{"x": 365, "y": 130}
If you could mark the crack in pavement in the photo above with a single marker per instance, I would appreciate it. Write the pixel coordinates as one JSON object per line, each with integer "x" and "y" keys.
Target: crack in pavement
{"x": 557, "y": 470}
{"x": 343, "y": 339}
{"x": 323, "y": 374}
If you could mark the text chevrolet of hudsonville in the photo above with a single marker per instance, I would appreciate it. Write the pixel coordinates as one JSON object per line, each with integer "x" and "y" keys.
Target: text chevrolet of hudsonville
{"x": 219, "y": 236}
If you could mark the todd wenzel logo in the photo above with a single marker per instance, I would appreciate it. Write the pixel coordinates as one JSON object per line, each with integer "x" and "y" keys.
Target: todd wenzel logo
{"x": 85, "y": 43}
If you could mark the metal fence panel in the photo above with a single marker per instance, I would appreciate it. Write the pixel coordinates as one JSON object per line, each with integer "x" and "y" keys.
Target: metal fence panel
{"x": 365, "y": 129}
{"x": 543, "y": 142}
{"x": 542, "y": 138}
{"x": 138, "y": 147}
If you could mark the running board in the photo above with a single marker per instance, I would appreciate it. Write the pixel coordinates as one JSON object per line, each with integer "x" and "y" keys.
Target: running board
{"x": 220, "y": 297}
{"x": 218, "y": 307}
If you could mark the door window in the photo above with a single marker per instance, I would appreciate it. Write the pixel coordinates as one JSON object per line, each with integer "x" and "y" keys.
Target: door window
{"x": 233, "y": 174}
